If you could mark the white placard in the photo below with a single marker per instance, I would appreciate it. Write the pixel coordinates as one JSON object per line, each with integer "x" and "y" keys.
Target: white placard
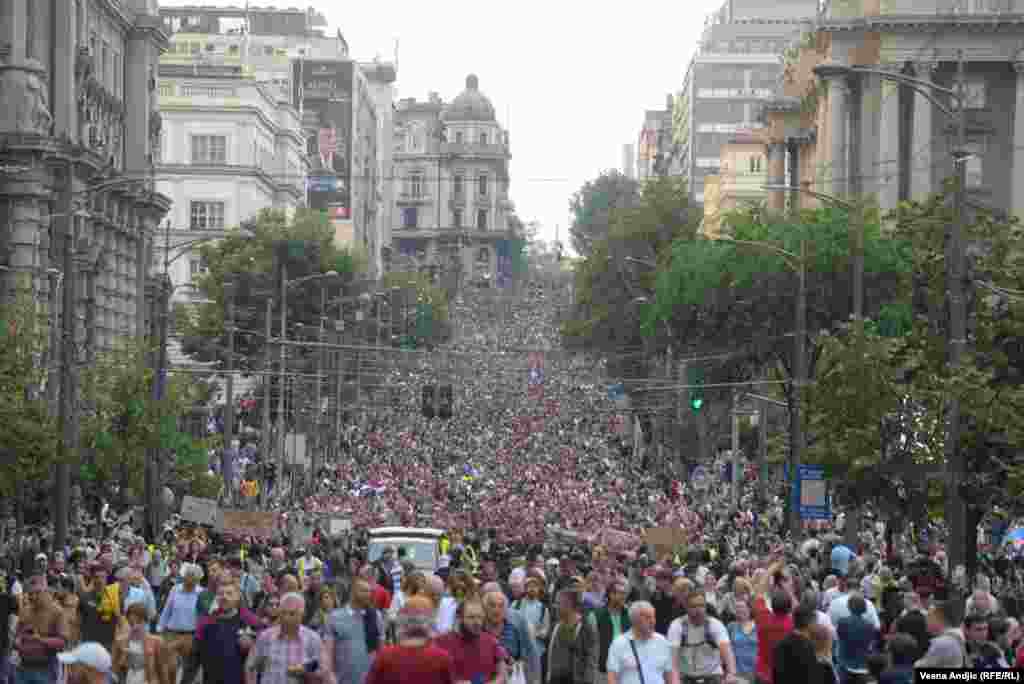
{"x": 200, "y": 511}
{"x": 340, "y": 526}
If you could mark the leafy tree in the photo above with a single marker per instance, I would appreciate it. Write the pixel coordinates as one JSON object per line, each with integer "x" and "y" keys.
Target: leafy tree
{"x": 251, "y": 264}
{"x": 422, "y": 307}
{"x": 593, "y": 206}
{"x": 28, "y": 440}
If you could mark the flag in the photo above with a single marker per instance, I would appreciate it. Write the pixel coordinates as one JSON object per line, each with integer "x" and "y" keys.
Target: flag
{"x": 553, "y": 408}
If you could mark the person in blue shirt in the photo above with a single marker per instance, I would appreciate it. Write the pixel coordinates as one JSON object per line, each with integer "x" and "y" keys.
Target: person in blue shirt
{"x": 856, "y": 635}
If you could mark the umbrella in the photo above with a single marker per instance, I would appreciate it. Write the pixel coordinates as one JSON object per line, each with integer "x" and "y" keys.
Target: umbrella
{"x": 1014, "y": 536}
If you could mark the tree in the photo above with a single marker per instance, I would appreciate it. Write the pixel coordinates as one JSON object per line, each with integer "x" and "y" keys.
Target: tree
{"x": 422, "y": 307}
{"x": 251, "y": 265}
{"x": 28, "y": 440}
{"x": 593, "y": 206}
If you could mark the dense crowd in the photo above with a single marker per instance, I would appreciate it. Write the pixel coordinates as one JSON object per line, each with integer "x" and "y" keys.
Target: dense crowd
{"x": 546, "y": 576}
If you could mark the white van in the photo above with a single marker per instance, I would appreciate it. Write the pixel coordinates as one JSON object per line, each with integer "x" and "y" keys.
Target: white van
{"x": 422, "y": 545}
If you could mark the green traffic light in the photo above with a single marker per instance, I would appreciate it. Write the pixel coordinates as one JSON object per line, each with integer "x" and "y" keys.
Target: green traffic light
{"x": 696, "y": 404}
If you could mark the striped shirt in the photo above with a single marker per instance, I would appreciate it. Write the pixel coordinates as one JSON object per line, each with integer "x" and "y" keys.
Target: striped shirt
{"x": 277, "y": 655}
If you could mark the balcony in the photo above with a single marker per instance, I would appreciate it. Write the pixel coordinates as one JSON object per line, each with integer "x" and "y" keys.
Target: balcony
{"x": 473, "y": 149}
{"x": 411, "y": 199}
{"x": 936, "y": 10}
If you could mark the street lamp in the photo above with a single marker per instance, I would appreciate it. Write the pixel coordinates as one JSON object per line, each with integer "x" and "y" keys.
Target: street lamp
{"x": 797, "y": 262}
{"x": 955, "y": 269}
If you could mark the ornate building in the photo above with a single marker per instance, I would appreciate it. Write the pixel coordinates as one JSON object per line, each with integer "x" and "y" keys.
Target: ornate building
{"x": 452, "y": 210}
{"x": 78, "y": 123}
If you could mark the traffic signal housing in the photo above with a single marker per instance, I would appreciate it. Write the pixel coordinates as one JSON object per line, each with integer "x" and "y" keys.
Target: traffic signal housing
{"x": 445, "y": 402}
{"x": 428, "y": 401}
{"x": 695, "y": 378}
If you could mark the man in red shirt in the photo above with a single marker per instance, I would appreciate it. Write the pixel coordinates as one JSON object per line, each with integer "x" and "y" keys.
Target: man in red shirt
{"x": 772, "y": 626}
{"x": 380, "y": 596}
{"x": 477, "y": 655}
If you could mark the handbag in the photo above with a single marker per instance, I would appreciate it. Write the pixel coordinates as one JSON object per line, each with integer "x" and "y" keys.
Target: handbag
{"x": 639, "y": 667}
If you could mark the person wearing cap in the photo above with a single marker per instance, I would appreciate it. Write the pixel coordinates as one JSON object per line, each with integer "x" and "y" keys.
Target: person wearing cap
{"x": 88, "y": 663}
{"x": 138, "y": 657}
{"x": 41, "y": 634}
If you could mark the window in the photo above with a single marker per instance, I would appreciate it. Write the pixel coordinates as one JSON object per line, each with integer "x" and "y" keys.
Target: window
{"x": 975, "y": 93}
{"x": 975, "y": 164}
{"x": 117, "y": 74}
{"x": 481, "y": 185}
{"x": 481, "y": 219}
{"x": 457, "y": 186}
{"x": 755, "y": 165}
{"x": 209, "y": 149}
{"x": 458, "y": 137}
{"x": 457, "y": 218}
{"x": 483, "y": 138}
{"x": 416, "y": 186}
{"x": 105, "y": 73}
{"x": 483, "y": 256}
{"x": 206, "y": 215}
{"x": 197, "y": 267}
{"x": 410, "y": 217}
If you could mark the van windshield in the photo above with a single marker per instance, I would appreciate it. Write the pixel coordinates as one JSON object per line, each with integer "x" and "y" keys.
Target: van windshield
{"x": 420, "y": 552}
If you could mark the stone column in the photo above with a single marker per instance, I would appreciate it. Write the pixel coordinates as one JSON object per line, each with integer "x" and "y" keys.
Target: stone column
{"x": 889, "y": 158}
{"x": 13, "y": 26}
{"x": 836, "y": 166}
{"x": 777, "y": 175}
{"x": 922, "y": 139}
{"x": 1017, "y": 187}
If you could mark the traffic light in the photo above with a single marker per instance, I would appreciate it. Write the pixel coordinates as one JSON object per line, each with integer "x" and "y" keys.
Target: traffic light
{"x": 428, "y": 401}
{"x": 445, "y": 402}
{"x": 696, "y": 377}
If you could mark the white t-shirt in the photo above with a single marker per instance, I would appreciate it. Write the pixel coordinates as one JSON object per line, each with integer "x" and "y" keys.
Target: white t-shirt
{"x": 697, "y": 658}
{"x": 655, "y": 657}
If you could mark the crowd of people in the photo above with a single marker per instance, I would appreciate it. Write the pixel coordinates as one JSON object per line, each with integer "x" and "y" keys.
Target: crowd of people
{"x": 546, "y": 577}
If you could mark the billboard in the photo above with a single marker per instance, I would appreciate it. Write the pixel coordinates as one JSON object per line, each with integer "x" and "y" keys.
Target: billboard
{"x": 322, "y": 91}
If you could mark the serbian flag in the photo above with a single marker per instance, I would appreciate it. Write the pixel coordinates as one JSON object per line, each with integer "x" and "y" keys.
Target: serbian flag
{"x": 537, "y": 424}
{"x": 535, "y": 380}
{"x": 523, "y": 426}
{"x": 617, "y": 424}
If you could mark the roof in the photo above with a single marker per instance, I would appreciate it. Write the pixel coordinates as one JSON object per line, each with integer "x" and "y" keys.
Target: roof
{"x": 470, "y": 105}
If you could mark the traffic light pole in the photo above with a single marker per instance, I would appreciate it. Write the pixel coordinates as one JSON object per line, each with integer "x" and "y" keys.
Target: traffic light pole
{"x": 265, "y": 425}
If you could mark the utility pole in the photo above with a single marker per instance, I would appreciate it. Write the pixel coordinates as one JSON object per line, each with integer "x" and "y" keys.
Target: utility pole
{"x": 229, "y": 406}
{"x": 68, "y": 362}
{"x": 956, "y": 512}
{"x": 265, "y": 446}
{"x": 281, "y": 370}
{"x": 799, "y": 380}
{"x": 762, "y": 456}
{"x": 154, "y": 455}
{"x": 316, "y": 453}
{"x": 734, "y": 481}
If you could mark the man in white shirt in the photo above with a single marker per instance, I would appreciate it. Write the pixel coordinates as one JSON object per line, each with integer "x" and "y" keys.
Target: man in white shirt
{"x": 641, "y": 649}
{"x": 700, "y": 644}
{"x": 839, "y": 608}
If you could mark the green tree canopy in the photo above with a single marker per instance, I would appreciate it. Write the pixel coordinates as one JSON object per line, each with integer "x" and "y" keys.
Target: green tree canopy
{"x": 593, "y": 206}
{"x": 251, "y": 264}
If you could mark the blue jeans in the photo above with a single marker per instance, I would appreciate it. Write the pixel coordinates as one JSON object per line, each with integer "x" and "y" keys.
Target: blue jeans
{"x": 43, "y": 676}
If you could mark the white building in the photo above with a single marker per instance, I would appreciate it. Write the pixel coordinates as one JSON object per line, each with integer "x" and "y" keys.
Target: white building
{"x": 451, "y": 171}
{"x": 230, "y": 147}
{"x": 380, "y": 77}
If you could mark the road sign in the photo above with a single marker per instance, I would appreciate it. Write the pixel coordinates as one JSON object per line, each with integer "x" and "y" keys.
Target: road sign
{"x": 699, "y": 478}
{"x": 810, "y": 494}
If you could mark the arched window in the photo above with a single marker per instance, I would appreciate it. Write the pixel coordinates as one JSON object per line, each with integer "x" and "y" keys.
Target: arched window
{"x": 483, "y": 256}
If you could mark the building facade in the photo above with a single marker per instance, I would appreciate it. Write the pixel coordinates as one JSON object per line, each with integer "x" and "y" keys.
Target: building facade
{"x": 230, "y": 147}
{"x": 653, "y": 151}
{"x": 629, "y": 160}
{"x": 79, "y": 120}
{"x": 874, "y": 137}
{"x": 380, "y": 77}
{"x": 451, "y": 170}
{"x": 740, "y": 180}
{"x": 736, "y": 68}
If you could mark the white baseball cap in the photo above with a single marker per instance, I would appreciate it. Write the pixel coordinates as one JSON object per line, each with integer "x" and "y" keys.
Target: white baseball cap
{"x": 89, "y": 654}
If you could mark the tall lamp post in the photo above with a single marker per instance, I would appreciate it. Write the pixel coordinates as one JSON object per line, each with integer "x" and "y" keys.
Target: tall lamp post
{"x": 955, "y": 276}
{"x": 797, "y": 262}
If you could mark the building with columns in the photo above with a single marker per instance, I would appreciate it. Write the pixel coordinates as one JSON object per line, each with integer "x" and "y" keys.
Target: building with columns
{"x": 79, "y": 121}
{"x": 451, "y": 170}
{"x": 870, "y": 136}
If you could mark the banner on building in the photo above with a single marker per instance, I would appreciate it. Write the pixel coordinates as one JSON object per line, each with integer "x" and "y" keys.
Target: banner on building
{"x": 248, "y": 523}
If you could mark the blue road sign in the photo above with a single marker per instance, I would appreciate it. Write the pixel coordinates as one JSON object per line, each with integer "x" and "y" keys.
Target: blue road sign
{"x": 616, "y": 391}
{"x": 810, "y": 493}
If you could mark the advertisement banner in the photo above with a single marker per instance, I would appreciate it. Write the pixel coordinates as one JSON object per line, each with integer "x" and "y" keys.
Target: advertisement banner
{"x": 323, "y": 91}
{"x": 248, "y": 523}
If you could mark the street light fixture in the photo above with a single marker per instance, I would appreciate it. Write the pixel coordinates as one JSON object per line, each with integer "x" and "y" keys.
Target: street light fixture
{"x": 798, "y": 262}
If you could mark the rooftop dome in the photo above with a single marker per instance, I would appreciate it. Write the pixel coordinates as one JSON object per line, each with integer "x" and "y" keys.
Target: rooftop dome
{"x": 470, "y": 105}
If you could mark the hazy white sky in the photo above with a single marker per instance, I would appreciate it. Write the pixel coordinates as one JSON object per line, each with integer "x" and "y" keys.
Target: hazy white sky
{"x": 570, "y": 79}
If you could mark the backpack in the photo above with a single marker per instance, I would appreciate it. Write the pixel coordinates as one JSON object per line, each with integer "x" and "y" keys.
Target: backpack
{"x": 683, "y": 637}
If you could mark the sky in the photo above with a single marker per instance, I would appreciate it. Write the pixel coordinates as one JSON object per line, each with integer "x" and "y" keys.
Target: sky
{"x": 569, "y": 80}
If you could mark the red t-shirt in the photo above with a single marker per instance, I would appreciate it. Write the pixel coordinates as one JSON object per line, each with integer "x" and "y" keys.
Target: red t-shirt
{"x": 381, "y": 597}
{"x": 472, "y": 658}
{"x": 770, "y": 631}
{"x": 412, "y": 665}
